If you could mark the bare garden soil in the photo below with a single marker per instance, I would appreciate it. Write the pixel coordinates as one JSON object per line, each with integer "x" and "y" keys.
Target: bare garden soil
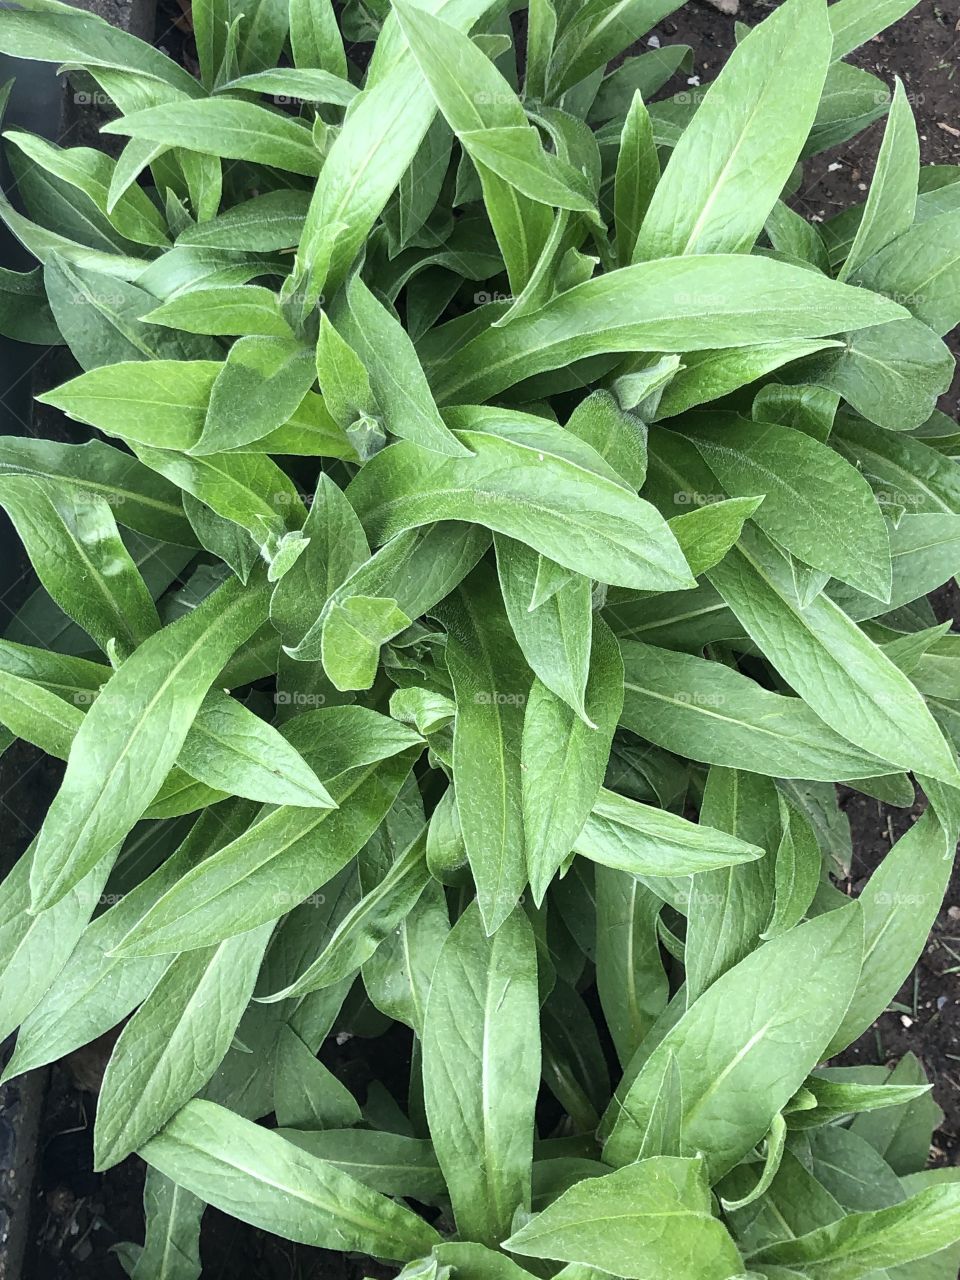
{"x": 77, "y": 1215}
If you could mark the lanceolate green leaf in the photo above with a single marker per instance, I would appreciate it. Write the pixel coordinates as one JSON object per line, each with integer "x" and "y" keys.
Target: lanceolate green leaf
{"x": 900, "y": 903}
{"x": 831, "y": 522}
{"x": 314, "y": 37}
{"x": 74, "y": 545}
{"x": 922, "y": 266}
{"x": 563, "y": 759}
{"x": 305, "y": 1091}
{"x": 40, "y": 619}
{"x": 555, "y": 637}
{"x": 841, "y": 674}
{"x": 730, "y": 908}
{"x": 646, "y": 73}
{"x": 308, "y": 84}
{"x": 260, "y": 1178}
{"x": 224, "y": 310}
{"x": 861, "y": 1243}
{"x": 892, "y": 375}
{"x": 344, "y": 381}
{"x": 132, "y": 735}
{"x": 892, "y": 201}
{"x": 743, "y": 1047}
{"x": 515, "y": 154}
{"x": 711, "y": 713}
{"x": 24, "y": 310}
{"x": 645, "y": 841}
{"x": 174, "y": 1042}
{"x": 247, "y": 489}
{"x": 210, "y": 26}
{"x": 579, "y": 518}
{"x": 808, "y": 408}
{"x": 272, "y": 220}
{"x": 618, "y": 436}
{"x": 266, "y": 871}
{"x": 691, "y": 303}
{"x": 171, "y": 1250}
{"x": 851, "y": 100}
{"x": 795, "y": 238}
{"x": 709, "y": 375}
{"x": 74, "y": 680}
{"x": 924, "y": 552}
{"x": 398, "y": 381}
{"x": 228, "y": 748}
{"x": 336, "y": 549}
{"x": 595, "y": 32}
{"x": 903, "y": 470}
{"x": 82, "y": 39}
{"x": 392, "y": 1163}
{"x": 733, "y": 160}
{"x": 491, "y": 684}
{"x": 854, "y": 22}
{"x": 376, "y": 915}
{"x": 481, "y": 1069}
{"x": 798, "y": 870}
{"x": 707, "y": 533}
{"x": 474, "y": 98}
{"x": 631, "y": 980}
{"x": 36, "y": 945}
{"x": 836, "y": 1096}
{"x": 102, "y": 319}
{"x": 259, "y": 387}
{"x": 420, "y": 190}
{"x": 37, "y": 715}
{"x": 232, "y": 749}
{"x": 848, "y": 1167}
{"x": 397, "y": 976}
{"x": 541, "y": 33}
{"x": 94, "y": 990}
{"x": 220, "y": 126}
{"x": 380, "y": 137}
{"x": 161, "y": 404}
{"x": 651, "y": 1218}
{"x": 901, "y": 1134}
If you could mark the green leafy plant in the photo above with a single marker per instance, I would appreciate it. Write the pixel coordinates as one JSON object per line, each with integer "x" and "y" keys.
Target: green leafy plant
{"x": 505, "y": 520}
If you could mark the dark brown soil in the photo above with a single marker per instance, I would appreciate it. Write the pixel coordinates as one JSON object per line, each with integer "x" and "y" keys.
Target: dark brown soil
{"x": 81, "y": 1215}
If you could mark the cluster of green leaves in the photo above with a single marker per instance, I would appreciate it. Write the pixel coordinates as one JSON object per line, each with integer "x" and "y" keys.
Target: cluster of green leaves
{"x": 505, "y": 522}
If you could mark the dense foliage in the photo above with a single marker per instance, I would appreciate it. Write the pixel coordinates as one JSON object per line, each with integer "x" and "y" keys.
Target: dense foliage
{"x": 514, "y": 520}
